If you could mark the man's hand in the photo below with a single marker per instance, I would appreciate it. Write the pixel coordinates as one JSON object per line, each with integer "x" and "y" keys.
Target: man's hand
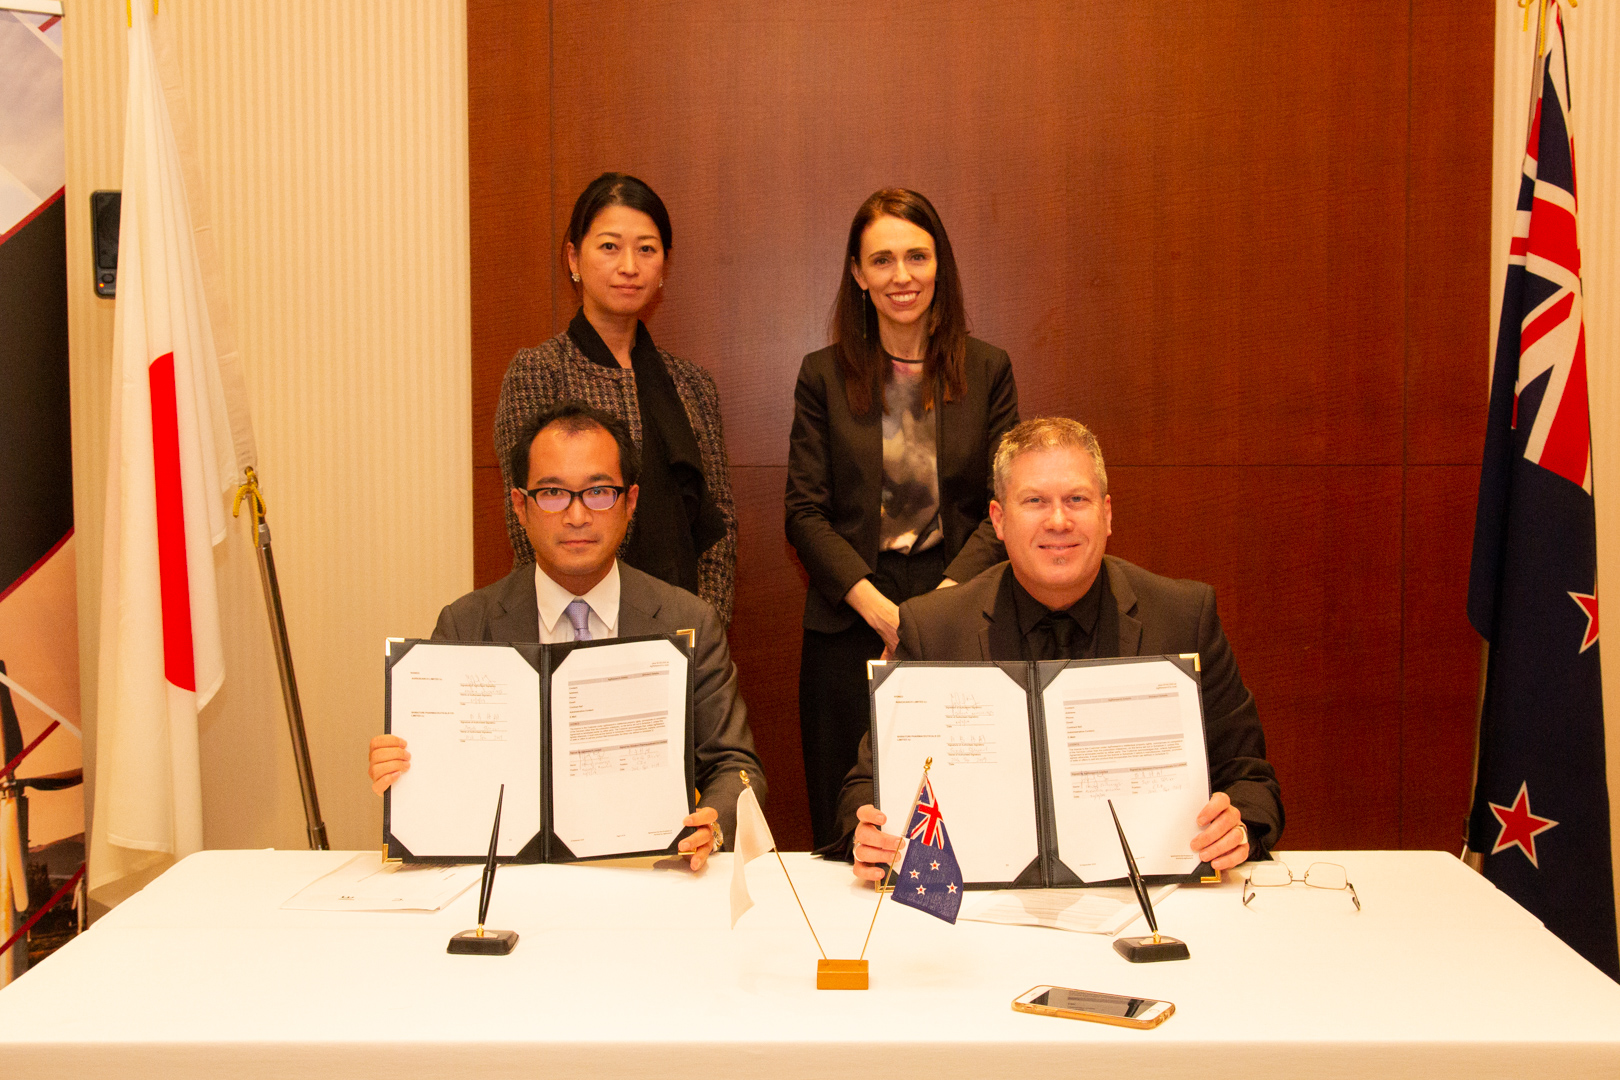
{"x": 389, "y": 761}
{"x": 1224, "y": 842}
{"x": 700, "y": 843}
{"x": 874, "y": 849}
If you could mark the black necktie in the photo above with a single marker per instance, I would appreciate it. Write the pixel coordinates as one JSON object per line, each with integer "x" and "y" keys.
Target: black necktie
{"x": 1062, "y": 628}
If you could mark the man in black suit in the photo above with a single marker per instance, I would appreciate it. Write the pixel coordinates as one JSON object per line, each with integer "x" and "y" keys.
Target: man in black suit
{"x": 1059, "y": 597}
{"x": 580, "y": 466}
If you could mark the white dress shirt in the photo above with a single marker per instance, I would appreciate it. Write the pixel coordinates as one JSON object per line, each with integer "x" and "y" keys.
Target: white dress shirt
{"x": 554, "y": 600}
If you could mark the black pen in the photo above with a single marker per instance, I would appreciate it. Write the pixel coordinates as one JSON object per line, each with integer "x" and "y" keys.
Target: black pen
{"x": 481, "y": 942}
{"x": 1142, "y": 949}
{"x": 1130, "y": 864}
{"x": 486, "y": 889}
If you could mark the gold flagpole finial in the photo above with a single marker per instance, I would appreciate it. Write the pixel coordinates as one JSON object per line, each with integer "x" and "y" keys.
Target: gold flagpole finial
{"x": 249, "y": 490}
{"x": 744, "y": 774}
{"x": 929, "y": 764}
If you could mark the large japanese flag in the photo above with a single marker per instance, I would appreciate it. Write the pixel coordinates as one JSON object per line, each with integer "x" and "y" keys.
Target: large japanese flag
{"x": 173, "y": 461}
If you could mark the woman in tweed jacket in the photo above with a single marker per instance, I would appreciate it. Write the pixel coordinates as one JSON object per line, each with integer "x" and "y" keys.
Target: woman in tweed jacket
{"x": 685, "y": 530}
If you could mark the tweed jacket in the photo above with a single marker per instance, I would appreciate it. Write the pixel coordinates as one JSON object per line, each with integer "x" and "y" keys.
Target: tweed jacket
{"x": 557, "y": 371}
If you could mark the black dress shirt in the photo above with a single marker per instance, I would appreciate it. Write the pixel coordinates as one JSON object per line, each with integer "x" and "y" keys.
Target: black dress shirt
{"x": 1072, "y": 633}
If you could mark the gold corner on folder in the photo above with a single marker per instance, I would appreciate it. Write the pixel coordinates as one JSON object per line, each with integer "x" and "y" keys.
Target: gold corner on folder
{"x": 690, "y": 636}
{"x": 1198, "y": 667}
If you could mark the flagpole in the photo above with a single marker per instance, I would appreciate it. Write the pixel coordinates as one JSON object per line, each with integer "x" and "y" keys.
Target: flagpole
{"x": 882, "y": 881}
{"x": 873, "y": 924}
{"x": 278, "y": 636}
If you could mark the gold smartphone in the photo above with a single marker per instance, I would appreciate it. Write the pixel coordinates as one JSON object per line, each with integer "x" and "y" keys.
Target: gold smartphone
{"x": 1128, "y": 1012}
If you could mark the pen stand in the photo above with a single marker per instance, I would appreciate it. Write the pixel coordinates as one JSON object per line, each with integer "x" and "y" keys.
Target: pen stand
{"x": 481, "y": 942}
{"x": 1152, "y": 948}
{"x": 841, "y": 975}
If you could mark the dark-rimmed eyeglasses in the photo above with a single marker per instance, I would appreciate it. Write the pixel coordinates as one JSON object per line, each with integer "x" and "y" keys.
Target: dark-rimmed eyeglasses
{"x": 1320, "y": 875}
{"x": 555, "y": 500}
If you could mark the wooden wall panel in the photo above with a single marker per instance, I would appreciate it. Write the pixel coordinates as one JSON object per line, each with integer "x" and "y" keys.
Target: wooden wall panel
{"x": 765, "y": 641}
{"x": 1440, "y": 657}
{"x": 1310, "y": 599}
{"x": 509, "y": 189}
{"x": 1175, "y": 245}
{"x": 1243, "y": 244}
{"x": 1447, "y": 372}
{"x": 1448, "y": 234}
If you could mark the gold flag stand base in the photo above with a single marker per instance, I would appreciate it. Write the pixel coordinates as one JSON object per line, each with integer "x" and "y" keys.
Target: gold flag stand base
{"x": 841, "y": 975}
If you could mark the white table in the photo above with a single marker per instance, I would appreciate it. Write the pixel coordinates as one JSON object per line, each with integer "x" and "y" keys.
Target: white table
{"x": 629, "y": 970}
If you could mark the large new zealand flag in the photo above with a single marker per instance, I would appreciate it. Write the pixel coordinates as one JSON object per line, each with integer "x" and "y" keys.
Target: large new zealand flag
{"x": 1540, "y": 817}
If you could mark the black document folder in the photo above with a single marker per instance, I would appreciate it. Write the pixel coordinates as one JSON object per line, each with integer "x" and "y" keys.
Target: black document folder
{"x": 480, "y": 710}
{"x": 986, "y": 727}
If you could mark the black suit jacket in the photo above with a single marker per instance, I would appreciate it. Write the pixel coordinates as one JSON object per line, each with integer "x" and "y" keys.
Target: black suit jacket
{"x": 509, "y": 611}
{"x": 1157, "y": 616}
{"x": 835, "y": 478}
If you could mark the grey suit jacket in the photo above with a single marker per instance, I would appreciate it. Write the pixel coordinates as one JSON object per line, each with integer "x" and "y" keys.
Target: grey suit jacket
{"x": 508, "y": 611}
{"x": 1157, "y": 615}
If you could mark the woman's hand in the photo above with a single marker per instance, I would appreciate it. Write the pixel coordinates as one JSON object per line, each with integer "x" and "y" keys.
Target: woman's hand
{"x": 880, "y": 613}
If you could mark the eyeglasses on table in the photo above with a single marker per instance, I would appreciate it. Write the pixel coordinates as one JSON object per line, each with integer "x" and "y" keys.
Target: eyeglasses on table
{"x": 1274, "y": 874}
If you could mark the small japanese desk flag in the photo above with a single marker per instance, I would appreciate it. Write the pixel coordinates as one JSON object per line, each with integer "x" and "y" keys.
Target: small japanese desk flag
{"x": 753, "y": 840}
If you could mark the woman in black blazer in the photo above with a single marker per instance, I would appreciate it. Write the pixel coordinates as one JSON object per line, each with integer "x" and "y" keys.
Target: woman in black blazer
{"x": 888, "y": 484}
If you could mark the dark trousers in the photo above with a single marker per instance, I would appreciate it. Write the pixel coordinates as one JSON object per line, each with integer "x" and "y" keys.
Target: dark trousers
{"x": 834, "y": 709}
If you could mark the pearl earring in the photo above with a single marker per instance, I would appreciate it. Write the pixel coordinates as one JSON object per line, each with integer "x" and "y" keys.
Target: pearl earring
{"x": 575, "y": 277}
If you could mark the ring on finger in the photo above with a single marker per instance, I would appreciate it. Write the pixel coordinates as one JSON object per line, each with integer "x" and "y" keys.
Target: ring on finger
{"x": 1243, "y": 834}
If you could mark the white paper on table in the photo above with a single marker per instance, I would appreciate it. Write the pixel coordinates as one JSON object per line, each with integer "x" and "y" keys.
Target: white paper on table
{"x": 1106, "y": 910}
{"x": 618, "y": 748}
{"x": 470, "y": 717}
{"x": 974, "y": 722}
{"x": 366, "y": 883}
{"x": 1081, "y": 910}
{"x": 1133, "y": 733}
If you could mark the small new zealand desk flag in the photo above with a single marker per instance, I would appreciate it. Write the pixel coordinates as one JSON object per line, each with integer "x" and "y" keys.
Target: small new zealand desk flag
{"x": 929, "y": 878}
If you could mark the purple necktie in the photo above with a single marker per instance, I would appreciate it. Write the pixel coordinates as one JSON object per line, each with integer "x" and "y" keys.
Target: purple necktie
{"x": 579, "y": 613}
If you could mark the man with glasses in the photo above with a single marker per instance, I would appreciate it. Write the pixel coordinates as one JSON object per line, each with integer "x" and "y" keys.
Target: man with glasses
{"x": 1058, "y": 598}
{"x": 581, "y": 467}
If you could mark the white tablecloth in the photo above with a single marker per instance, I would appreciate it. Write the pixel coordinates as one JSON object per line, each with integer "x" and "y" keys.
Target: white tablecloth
{"x": 628, "y": 970}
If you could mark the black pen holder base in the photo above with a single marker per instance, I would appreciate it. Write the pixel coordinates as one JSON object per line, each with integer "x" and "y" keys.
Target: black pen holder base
{"x": 490, "y": 943}
{"x": 1147, "y": 950}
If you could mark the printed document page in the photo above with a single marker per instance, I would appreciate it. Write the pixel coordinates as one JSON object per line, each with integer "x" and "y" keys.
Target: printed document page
{"x": 974, "y": 723}
{"x": 618, "y": 748}
{"x": 470, "y": 717}
{"x": 1133, "y": 733}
